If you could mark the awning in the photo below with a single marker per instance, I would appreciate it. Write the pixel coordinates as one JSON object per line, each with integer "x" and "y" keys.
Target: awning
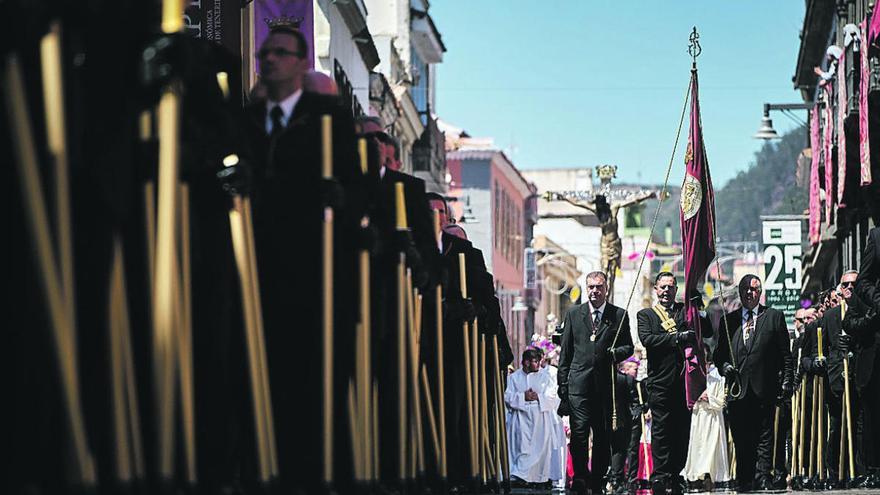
{"x": 815, "y": 264}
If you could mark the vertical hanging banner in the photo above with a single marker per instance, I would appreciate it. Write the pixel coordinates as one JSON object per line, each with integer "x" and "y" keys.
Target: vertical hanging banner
{"x": 298, "y": 12}
{"x": 827, "y": 133}
{"x": 782, "y": 264}
{"x": 698, "y": 241}
{"x": 841, "y": 133}
{"x": 215, "y": 20}
{"x": 864, "y": 142}
{"x": 816, "y": 151}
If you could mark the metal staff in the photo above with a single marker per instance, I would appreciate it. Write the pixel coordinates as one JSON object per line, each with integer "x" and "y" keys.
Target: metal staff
{"x": 258, "y": 393}
{"x": 327, "y": 301}
{"x": 414, "y": 319}
{"x": 166, "y": 256}
{"x": 488, "y": 468}
{"x": 820, "y": 461}
{"x": 796, "y": 431}
{"x": 401, "y": 226}
{"x": 802, "y": 433}
{"x": 56, "y": 140}
{"x": 38, "y": 222}
{"x": 469, "y": 392}
{"x": 847, "y": 403}
{"x": 363, "y": 365}
{"x": 475, "y": 377}
{"x": 813, "y": 427}
{"x": 184, "y": 340}
{"x": 502, "y": 423}
{"x": 441, "y": 380}
{"x": 775, "y": 438}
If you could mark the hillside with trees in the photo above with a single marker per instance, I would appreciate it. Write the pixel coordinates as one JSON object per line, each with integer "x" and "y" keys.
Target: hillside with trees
{"x": 769, "y": 186}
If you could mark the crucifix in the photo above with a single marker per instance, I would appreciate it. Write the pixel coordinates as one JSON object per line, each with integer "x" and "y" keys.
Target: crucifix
{"x": 597, "y": 203}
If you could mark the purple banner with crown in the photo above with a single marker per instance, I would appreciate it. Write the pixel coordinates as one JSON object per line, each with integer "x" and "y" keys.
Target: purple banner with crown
{"x": 301, "y": 11}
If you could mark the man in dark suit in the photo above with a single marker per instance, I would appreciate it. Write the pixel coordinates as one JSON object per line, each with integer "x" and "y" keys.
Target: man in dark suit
{"x": 664, "y": 333}
{"x": 838, "y": 339}
{"x": 868, "y": 281}
{"x": 289, "y": 196}
{"x": 595, "y": 338}
{"x": 760, "y": 353}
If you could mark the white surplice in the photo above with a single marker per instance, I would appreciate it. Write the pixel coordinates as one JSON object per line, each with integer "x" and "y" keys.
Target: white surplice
{"x": 707, "y": 449}
{"x": 532, "y": 432}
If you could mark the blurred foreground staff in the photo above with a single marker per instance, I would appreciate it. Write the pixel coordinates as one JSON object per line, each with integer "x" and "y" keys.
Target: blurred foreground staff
{"x": 290, "y": 194}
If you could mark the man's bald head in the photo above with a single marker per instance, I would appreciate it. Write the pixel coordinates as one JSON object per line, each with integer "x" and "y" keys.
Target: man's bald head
{"x": 456, "y": 230}
{"x": 320, "y": 83}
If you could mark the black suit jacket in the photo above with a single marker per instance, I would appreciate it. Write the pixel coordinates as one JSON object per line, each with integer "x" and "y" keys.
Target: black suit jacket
{"x": 665, "y": 357}
{"x": 868, "y": 282}
{"x": 764, "y": 357}
{"x": 585, "y": 364}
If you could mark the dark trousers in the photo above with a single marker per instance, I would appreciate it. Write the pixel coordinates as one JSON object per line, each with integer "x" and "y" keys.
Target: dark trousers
{"x": 632, "y": 456}
{"x": 870, "y": 415}
{"x": 620, "y": 449}
{"x": 751, "y": 424}
{"x": 588, "y": 414}
{"x": 837, "y": 412}
{"x": 670, "y": 430}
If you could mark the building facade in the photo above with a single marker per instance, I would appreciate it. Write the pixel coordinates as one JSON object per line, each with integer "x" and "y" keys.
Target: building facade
{"x": 497, "y": 207}
{"x": 844, "y": 127}
{"x": 402, "y": 88}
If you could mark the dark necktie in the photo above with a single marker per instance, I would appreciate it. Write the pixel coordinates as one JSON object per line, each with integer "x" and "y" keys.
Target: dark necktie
{"x": 596, "y": 321}
{"x": 750, "y": 325}
{"x": 276, "y": 114}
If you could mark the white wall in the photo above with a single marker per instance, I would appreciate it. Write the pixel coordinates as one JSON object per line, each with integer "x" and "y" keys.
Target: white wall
{"x": 341, "y": 47}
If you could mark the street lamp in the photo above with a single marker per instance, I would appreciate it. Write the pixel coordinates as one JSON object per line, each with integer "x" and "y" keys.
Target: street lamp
{"x": 766, "y": 131}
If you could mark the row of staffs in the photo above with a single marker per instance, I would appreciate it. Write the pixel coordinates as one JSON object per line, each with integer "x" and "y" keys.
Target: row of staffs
{"x": 808, "y": 461}
{"x": 168, "y": 259}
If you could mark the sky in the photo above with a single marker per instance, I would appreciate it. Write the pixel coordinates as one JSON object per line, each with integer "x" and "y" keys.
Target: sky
{"x": 580, "y": 83}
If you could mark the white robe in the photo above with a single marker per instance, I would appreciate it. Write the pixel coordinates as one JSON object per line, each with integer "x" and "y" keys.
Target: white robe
{"x": 532, "y": 432}
{"x": 559, "y": 456}
{"x": 707, "y": 448}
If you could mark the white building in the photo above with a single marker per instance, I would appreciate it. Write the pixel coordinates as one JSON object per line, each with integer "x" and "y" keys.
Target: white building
{"x": 402, "y": 89}
{"x": 577, "y": 231}
{"x": 344, "y": 49}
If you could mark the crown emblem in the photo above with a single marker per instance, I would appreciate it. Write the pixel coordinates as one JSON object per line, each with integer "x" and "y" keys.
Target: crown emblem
{"x": 283, "y": 22}
{"x": 606, "y": 172}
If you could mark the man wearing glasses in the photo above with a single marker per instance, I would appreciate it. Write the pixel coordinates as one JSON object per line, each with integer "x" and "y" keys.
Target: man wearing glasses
{"x": 761, "y": 354}
{"x": 283, "y": 131}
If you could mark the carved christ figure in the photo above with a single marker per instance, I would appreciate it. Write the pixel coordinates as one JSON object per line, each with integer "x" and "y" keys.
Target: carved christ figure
{"x": 610, "y": 247}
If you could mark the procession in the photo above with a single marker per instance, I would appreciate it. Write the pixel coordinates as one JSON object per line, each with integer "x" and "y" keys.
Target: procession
{"x": 268, "y": 247}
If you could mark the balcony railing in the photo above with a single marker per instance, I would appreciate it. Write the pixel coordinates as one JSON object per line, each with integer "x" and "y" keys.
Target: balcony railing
{"x": 429, "y": 154}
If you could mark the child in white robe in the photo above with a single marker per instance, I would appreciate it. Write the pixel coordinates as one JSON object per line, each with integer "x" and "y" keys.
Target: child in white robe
{"x": 707, "y": 451}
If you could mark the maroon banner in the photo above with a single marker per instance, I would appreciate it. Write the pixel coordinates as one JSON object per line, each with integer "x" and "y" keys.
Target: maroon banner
{"x": 874, "y": 27}
{"x": 864, "y": 142}
{"x": 841, "y": 134}
{"x": 300, "y": 10}
{"x": 827, "y": 134}
{"x": 816, "y": 152}
{"x": 698, "y": 240}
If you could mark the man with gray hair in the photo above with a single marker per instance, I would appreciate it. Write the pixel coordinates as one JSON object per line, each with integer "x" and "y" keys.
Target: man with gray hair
{"x": 595, "y": 337}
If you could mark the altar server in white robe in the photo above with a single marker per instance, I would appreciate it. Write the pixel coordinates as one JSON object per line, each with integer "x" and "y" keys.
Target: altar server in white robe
{"x": 707, "y": 452}
{"x": 532, "y": 401}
